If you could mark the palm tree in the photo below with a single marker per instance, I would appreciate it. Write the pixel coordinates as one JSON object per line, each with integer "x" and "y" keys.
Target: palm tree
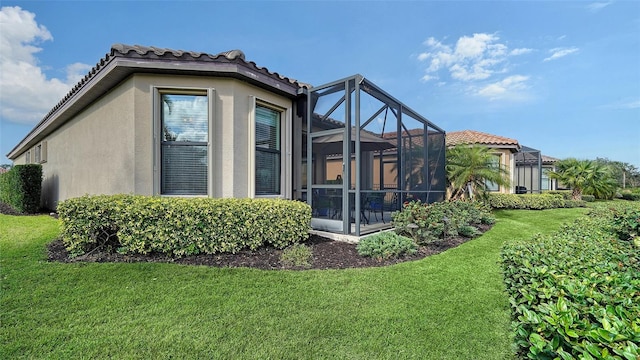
{"x": 471, "y": 168}
{"x": 585, "y": 176}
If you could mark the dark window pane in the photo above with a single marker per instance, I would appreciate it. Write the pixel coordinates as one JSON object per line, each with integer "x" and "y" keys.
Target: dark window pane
{"x": 267, "y": 151}
{"x": 184, "y": 169}
{"x": 267, "y": 172}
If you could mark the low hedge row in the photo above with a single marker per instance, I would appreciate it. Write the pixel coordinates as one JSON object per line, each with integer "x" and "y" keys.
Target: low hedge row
{"x": 426, "y": 223}
{"x": 576, "y": 293}
{"x": 179, "y": 226}
{"x": 630, "y": 196}
{"x": 532, "y": 201}
{"x": 21, "y": 186}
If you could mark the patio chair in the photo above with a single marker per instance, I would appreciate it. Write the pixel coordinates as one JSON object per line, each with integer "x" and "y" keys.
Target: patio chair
{"x": 375, "y": 203}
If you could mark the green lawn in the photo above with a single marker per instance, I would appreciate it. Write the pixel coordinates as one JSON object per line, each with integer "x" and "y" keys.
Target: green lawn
{"x": 449, "y": 306}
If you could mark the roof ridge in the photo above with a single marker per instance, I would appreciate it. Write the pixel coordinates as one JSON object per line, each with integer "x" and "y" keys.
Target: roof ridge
{"x": 482, "y": 133}
{"x": 125, "y": 50}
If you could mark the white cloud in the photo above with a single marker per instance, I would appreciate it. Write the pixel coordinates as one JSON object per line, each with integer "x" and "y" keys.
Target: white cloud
{"x": 27, "y": 94}
{"x": 428, "y": 77}
{"x": 472, "y": 58}
{"x": 423, "y": 56}
{"x": 510, "y": 87}
{"x": 624, "y": 104}
{"x": 597, "y": 6}
{"x": 520, "y": 51}
{"x": 561, "y": 52}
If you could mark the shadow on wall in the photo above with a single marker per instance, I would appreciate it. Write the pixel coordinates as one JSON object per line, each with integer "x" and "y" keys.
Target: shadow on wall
{"x": 50, "y": 192}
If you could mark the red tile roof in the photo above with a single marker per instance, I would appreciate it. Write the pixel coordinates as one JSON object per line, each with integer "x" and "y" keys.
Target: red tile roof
{"x": 477, "y": 137}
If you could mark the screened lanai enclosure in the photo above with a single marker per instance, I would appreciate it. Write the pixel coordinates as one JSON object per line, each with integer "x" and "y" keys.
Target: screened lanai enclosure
{"x": 364, "y": 154}
{"x": 529, "y": 171}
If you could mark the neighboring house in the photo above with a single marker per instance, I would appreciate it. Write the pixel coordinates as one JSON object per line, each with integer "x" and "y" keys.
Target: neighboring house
{"x": 504, "y": 149}
{"x": 155, "y": 121}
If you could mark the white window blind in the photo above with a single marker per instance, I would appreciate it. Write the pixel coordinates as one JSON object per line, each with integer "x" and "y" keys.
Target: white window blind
{"x": 185, "y": 136}
{"x": 268, "y": 154}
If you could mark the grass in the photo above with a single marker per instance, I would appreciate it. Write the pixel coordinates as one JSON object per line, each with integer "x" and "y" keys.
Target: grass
{"x": 448, "y": 306}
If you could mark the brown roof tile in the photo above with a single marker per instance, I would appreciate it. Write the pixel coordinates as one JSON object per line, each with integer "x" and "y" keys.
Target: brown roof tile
{"x": 476, "y": 137}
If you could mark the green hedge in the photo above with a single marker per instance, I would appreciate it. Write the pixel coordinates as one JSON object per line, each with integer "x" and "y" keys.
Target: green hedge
{"x": 179, "y": 226}
{"x": 21, "y": 187}
{"x": 630, "y": 196}
{"x": 566, "y": 194}
{"x": 546, "y": 200}
{"x": 426, "y": 223}
{"x": 576, "y": 293}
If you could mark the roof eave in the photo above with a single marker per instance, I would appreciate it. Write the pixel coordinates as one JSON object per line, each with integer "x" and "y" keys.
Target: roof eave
{"x": 119, "y": 68}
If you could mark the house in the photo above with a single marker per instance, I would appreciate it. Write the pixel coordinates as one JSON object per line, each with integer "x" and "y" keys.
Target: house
{"x": 155, "y": 121}
{"x": 527, "y": 166}
{"x": 503, "y": 148}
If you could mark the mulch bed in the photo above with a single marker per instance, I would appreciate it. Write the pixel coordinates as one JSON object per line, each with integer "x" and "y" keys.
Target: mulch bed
{"x": 327, "y": 254}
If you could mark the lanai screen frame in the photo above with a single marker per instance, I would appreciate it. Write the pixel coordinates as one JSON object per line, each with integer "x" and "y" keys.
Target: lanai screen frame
{"x": 432, "y": 136}
{"x": 526, "y": 160}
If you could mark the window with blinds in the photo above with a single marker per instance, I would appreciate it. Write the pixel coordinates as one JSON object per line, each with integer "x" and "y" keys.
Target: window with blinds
{"x": 268, "y": 154}
{"x": 183, "y": 146}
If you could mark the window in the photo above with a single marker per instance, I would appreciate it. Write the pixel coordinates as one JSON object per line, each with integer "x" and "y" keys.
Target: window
{"x": 38, "y": 154}
{"x": 495, "y": 162}
{"x": 184, "y": 143}
{"x": 28, "y": 157}
{"x": 545, "y": 180}
{"x": 268, "y": 154}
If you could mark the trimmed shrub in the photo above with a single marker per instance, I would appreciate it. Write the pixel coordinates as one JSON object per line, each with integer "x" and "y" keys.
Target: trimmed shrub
{"x": 630, "y": 196}
{"x": 542, "y": 201}
{"x": 181, "y": 226}
{"x": 575, "y": 293}
{"x": 588, "y": 198}
{"x": 426, "y": 223}
{"x": 21, "y": 187}
{"x": 296, "y": 256}
{"x": 386, "y": 245}
{"x": 566, "y": 194}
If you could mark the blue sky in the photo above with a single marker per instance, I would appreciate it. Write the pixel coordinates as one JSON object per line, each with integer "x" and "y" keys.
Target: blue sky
{"x": 563, "y": 77}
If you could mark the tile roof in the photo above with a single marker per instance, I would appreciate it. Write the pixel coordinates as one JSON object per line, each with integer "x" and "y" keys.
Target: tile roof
{"x": 155, "y": 53}
{"x": 548, "y": 159}
{"x": 476, "y": 137}
{"x": 460, "y": 137}
{"x": 123, "y": 60}
{"x": 414, "y": 134}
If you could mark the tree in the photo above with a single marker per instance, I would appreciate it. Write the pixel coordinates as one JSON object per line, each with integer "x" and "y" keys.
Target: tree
{"x": 626, "y": 175}
{"x": 470, "y": 169}
{"x": 585, "y": 177}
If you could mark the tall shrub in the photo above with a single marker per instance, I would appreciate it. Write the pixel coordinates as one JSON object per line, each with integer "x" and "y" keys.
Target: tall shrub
{"x": 177, "y": 226}
{"x": 21, "y": 187}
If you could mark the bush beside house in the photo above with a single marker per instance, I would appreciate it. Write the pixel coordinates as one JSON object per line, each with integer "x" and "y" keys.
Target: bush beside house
{"x": 179, "y": 226}
{"x": 21, "y": 186}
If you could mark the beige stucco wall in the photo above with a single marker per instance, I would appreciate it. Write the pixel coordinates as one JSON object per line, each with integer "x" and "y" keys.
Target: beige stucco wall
{"x": 109, "y": 147}
{"x": 234, "y": 103}
{"x": 507, "y": 160}
{"x": 94, "y": 152}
